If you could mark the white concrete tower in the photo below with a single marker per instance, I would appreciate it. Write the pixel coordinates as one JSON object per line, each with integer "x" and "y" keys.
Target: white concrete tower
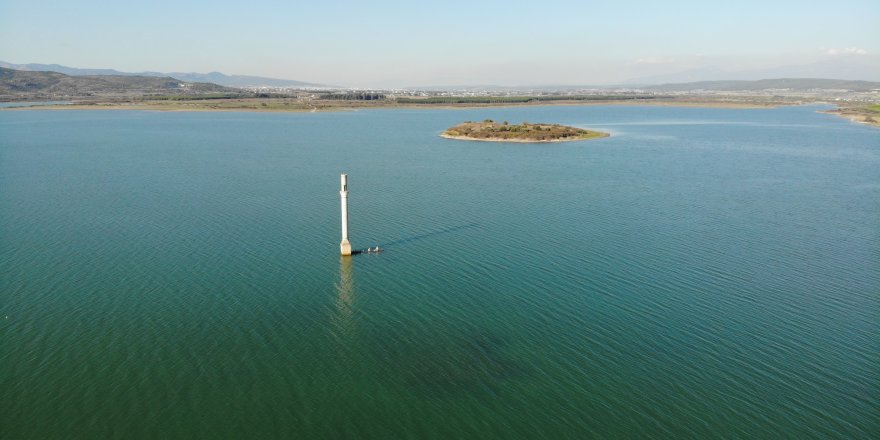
{"x": 345, "y": 246}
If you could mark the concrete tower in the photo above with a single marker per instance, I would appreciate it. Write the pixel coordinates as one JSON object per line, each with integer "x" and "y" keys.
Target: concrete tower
{"x": 345, "y": 246}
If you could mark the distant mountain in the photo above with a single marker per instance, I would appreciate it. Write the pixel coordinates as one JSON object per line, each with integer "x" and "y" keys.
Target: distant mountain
{"x": 241, "y": 80}
{"x": 800, "y": 84}
{"x": 213, "y": 77}
{"x": 20, "y": 84}
{"x": 61, "y": 69}
{"x": 862, "y": 67}
{"x": 686, "y": 76}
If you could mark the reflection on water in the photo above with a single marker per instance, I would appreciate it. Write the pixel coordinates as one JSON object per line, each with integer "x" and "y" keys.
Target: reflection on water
{"x": 345, "y": 296}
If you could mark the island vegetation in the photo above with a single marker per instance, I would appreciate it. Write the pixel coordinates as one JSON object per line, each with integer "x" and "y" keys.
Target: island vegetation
{"x": 489, "y": 130}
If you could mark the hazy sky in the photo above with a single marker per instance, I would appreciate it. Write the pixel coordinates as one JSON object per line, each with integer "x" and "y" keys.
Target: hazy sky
{"x": 386, "y": 43}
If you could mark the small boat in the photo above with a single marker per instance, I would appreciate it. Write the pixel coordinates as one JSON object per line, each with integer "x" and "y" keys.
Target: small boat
{"x": 374, "y": 250}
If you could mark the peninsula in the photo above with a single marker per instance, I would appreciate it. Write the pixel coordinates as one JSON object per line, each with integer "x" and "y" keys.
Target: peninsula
{"x": 492, "y": 131}
{"x": 858, "y": 112}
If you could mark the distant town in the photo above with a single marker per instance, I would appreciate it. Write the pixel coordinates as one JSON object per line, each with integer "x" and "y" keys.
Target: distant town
{"x": 85, "y": 89}
{"x": 820, "y": 93}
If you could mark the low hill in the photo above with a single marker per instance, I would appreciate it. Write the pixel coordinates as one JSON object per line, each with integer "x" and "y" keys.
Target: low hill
{"x": 25, "y": 85}
{"x": 212, "y": 77}
{"x": 801, "y": 84}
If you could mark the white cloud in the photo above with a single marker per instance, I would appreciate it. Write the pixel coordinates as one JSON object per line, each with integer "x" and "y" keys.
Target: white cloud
{"x": 846, "y": 51}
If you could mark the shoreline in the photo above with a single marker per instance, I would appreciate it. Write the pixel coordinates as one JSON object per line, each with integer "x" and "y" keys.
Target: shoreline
{"x": 855, "y": 115}
{"x": 524, "y": 141}
{"x": 256, "y": 105}
{"x": 263, "y": 105}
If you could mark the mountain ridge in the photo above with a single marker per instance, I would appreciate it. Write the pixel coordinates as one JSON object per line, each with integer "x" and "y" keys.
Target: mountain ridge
{"x": 800, "y": 84}
{"x": 23, "y": 84}
{"x": 865, "y": 68}
{"x": 212, "y": 77}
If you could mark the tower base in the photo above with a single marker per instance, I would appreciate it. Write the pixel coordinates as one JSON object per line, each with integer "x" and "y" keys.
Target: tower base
{"x": 345, "y": 247}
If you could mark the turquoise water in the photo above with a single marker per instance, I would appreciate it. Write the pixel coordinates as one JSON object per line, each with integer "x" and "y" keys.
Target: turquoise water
{"x": 703, "y": 273}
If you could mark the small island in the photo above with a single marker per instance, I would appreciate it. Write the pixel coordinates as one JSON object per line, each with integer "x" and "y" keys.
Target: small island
{"x": 492, "y": 131}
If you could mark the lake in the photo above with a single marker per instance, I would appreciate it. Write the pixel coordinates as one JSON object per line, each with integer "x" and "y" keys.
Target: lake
{"x": 702, "y": 273}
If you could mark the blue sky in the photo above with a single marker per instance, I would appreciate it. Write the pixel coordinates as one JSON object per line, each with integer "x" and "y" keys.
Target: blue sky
{"x": 387, "y": 43}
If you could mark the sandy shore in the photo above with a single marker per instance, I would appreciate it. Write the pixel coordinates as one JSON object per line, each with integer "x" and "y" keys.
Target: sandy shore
{"x": 855, "y": 115}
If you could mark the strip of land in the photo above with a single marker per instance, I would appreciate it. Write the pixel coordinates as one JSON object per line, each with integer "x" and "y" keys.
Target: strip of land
{"x": 864, "y": 114}
{"x": 856, "y": 100}
{"x": 316, "y": 105}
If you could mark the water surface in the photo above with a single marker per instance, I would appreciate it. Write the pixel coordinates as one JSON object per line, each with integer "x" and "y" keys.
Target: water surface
{"x": 703, "y": 273}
